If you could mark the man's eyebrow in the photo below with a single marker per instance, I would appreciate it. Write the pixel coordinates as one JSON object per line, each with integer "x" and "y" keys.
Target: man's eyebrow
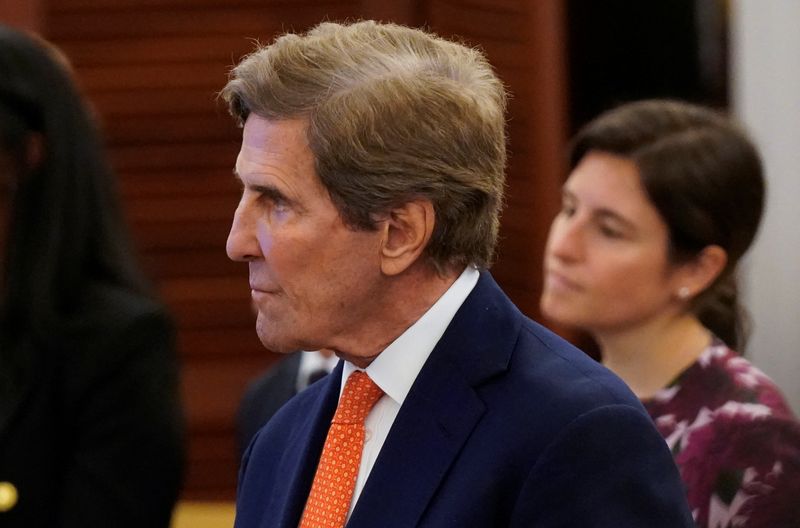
{"x": 270, "y": 191}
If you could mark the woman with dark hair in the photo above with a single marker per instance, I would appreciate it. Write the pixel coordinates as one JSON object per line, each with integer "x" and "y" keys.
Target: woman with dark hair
{"x": 90, "y": 422}
{"x": 663, "y": 200}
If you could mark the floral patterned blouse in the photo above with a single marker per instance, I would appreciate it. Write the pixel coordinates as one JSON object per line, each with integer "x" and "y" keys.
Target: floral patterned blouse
{"x": 735, "y": 441}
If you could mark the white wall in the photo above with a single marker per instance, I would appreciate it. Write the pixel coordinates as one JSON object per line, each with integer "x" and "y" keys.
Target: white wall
{"x": 765, "y": 63}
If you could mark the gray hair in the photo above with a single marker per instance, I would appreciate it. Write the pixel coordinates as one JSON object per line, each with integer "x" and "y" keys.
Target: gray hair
{"x": 394, "y": 114}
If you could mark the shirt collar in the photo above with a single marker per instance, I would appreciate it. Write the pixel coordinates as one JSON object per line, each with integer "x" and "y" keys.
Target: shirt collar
{"x": 310, "y": 362}
{"x": 396, "y": 368}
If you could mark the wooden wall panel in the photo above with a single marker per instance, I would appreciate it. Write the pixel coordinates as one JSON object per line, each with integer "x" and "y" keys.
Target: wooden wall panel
{"x": 152, "y": 69}
{"x": 22, "y": 14}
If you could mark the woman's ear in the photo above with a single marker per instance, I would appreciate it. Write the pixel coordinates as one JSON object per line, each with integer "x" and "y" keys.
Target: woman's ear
{"x": 696, "y": 276}
{"x": 407, "y": 231}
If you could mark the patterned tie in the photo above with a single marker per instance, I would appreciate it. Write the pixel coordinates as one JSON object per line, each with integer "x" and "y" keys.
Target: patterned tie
{"x": 335, "y": 480}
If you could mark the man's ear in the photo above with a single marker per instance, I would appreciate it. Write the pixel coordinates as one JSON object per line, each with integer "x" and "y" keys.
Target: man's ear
{"x": 696, "y": 276}
{"x": 407, "y": 231}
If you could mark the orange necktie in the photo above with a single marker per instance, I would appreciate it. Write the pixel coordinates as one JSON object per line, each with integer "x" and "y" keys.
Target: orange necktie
{"x": 335, "y": 479}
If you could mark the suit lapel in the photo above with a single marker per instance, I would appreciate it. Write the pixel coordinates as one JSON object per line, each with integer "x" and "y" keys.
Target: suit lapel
{"x": 440, "y": 412}
{"x": 427, "y": 435}
{"x": 306, "y": 443}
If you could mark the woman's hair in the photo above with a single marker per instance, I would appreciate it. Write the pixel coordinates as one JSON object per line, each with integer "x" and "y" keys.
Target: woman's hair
{"x": 65, "y": 228}
{"x": 394, "y": 114}
{"x": 705, "y": 178}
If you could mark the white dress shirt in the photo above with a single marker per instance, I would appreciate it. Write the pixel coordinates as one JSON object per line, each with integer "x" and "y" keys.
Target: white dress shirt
{"x": 312, "y": 361}
{"x": 396, "y": 368}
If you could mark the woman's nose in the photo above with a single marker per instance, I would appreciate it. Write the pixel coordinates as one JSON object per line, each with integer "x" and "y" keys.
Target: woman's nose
{"x": 566, "y": 239}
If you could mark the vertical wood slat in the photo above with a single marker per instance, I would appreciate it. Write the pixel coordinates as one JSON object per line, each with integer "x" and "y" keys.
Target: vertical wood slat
{"x": 152, "y": 69}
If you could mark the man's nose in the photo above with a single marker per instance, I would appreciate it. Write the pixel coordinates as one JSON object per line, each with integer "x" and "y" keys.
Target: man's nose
{"x": 242, "y": 244}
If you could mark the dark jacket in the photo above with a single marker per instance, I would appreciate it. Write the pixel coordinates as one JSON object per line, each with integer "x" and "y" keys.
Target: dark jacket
{"x": 91, "y": 427}
{"x": 264, "y": 396}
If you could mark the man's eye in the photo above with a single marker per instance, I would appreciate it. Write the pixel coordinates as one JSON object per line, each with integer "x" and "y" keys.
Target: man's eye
{"x": 280, "y": 206}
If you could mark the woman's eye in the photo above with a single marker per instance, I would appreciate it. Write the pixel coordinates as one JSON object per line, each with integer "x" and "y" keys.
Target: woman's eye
{"x": 610, "y": 232}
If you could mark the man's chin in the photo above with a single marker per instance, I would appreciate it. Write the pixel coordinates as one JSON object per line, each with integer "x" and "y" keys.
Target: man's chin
{"x": 268, "y": 331}
{"x": 277, "y": 345}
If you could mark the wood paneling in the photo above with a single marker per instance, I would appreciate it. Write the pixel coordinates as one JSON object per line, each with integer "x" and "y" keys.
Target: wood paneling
{"x": 22, "y": 14}
{"x": 152, "y": 69}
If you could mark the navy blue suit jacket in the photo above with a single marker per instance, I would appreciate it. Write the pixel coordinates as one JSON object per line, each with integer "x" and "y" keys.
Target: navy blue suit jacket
{"x": 506, "y": 425}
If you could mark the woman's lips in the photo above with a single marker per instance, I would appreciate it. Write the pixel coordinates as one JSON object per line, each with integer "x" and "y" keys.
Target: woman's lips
{"x": 558, "y": 281}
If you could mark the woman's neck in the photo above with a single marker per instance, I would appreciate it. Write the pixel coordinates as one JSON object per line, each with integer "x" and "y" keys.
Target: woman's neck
{"x": 651, "y": 355}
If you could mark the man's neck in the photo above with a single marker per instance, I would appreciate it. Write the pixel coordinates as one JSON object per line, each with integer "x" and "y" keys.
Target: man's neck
{"x": 405, "y": 299}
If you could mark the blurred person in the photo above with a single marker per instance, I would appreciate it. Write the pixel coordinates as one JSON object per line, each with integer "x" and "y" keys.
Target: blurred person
{"x": 663, "y": 200}
{"x": 269, "y": 391}
{"x": 90, "y": 424}
{"x": 373, "y": 166}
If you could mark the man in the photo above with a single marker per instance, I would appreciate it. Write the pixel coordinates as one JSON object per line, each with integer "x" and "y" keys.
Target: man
{"x": 372, "y": 165}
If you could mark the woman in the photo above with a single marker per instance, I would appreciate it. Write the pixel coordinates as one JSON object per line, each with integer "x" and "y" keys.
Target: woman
{"x": 90, "y": 427}
{"x": 663, "y": 200}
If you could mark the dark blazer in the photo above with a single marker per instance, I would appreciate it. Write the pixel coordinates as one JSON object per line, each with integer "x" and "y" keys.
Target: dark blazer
{"x": 264, "y": 396}
{"x": 90, "y": 426}
{"x": 506, "y": 425}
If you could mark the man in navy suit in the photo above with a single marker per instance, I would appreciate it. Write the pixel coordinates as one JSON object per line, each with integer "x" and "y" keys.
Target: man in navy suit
{"x": 372, "y": 165}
